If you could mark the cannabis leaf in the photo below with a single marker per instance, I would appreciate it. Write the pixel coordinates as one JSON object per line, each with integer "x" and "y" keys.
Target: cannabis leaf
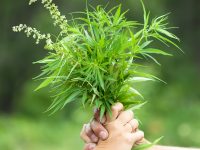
{"x": 94, "y": 57}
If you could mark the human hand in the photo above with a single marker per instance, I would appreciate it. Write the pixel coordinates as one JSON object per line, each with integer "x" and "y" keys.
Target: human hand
{"x": 95, "y": 131}
{"x": 122, "y": 132}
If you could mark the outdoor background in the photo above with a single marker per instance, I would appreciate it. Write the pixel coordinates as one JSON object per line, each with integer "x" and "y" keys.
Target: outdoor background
{"x": 172, "y": 111}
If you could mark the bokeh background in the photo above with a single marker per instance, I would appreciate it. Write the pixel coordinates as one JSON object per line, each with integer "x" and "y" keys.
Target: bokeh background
{"x": 172, "y": 111}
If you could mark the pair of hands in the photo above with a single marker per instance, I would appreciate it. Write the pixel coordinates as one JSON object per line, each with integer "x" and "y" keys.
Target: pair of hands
{"x": 120, "y": 131}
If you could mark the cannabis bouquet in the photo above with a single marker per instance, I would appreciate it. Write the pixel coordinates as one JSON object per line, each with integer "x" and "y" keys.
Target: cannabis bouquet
{"x": 94, "y": 59}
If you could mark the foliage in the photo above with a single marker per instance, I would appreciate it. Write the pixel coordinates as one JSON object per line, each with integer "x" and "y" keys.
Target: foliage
{"x": 95, "y": 58}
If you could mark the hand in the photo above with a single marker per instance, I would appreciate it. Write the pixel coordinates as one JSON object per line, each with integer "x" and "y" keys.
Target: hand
{"x": 122, "y": 132}
{"x": 94, "y": 131}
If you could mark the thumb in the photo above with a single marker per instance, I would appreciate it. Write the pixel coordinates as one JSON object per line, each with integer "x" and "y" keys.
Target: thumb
{"x": 99, "y": 130}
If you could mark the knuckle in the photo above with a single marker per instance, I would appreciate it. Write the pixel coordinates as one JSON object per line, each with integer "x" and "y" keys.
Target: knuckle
{"x": 97, "y": 130}
{"x": 88, "y": 129}
{"x": 135, "y": 123}
{"x": 128, "y": 139}
{"x": 95, "y": 126}
{"x": 142, "y": 134}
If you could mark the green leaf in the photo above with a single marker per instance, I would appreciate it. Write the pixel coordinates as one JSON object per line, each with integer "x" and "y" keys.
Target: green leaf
{"x": 167, "y": 33}
{"x": 144, "y": 10}
{"x": 100, "y": 79}
{"x": 84, "y": 98}
{"x": 95, "y": 91}
{"x": 136, "y": 92}
{"x": 44, "y": 61}
{"x": 155, "y": 51}
{"x": 108, "y": 107}
{"x": 168, "y": 41}
{"x": 102, "y": 111}
{"x": 148, "y": 76}
{"x": 45, "y": 83}
{"x": 148, "y": 145}
{"x": 149, "y": 56}
{"x": 140, "y": 79}
{"x": 93, "y": 98}
{"x": 98, "y": 103}
{"x": 145, "y": 44}
{"x": 117, "y": 14}
{"x": 72, "y": 97}
{"x": 138, "y": 106}
{"x": 130, "y": 102}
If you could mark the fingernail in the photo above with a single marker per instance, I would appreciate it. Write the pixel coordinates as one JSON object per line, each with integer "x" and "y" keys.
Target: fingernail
{"x": 103, "y": 135}
{"x": 94, "y": 138}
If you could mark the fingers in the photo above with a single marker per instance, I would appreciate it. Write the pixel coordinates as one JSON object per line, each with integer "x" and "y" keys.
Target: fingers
{"x": 116, "y": 109}
{"x": 128, "y": 127}
{"x": 125, "y": 116}
{"x": 89, "y": 146}
{"x": 132, "y": 125}
{"x": 99, "y": 130}
{"x": 97, "y": 116}
{"x": 83, "y": 135}
{"x": 138, "y": 136}
{"x": 88, "y": 135}
{"x": 135, "y": 137}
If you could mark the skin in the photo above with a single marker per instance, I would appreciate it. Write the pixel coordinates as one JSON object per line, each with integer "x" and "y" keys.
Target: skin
{"x": 96, "y": 131}
{"x": 122, "y": 128}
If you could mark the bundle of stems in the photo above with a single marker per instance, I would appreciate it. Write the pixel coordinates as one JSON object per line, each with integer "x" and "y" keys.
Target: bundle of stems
{"x": 95, "y": 57}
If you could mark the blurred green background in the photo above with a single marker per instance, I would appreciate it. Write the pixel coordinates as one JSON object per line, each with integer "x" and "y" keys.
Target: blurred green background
{"x": 172, "y": 111}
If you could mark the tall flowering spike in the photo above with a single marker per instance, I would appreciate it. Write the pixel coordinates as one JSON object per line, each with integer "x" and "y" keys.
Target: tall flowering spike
{"x": 29, "y": 31}
{"x": 59, "y": 20}
{"x": 32, "y": 1}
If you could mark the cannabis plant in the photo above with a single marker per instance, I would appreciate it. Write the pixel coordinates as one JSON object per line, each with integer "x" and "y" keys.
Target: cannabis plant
{"x": 95, "y": 57}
